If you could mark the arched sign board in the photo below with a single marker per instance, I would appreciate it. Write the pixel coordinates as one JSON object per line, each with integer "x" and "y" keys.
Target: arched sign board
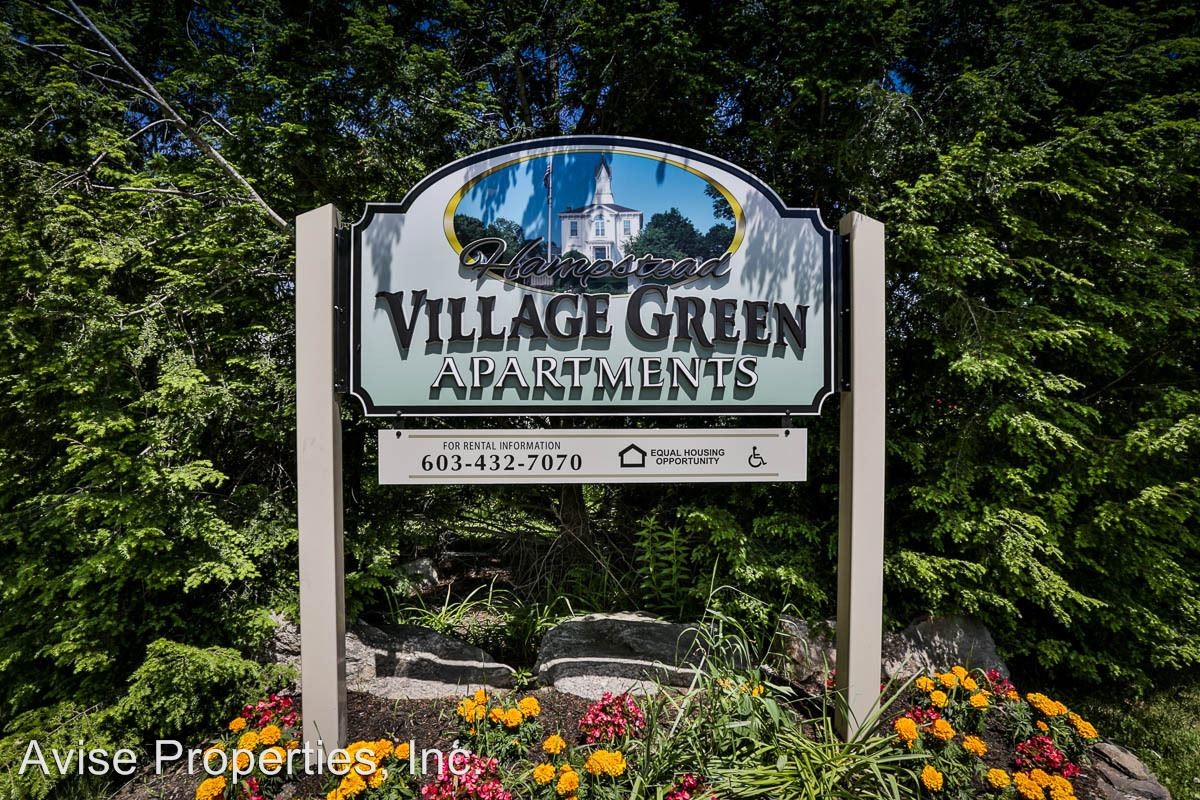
{"x": 592, "y": 275}
{"x": 587, "y": 276}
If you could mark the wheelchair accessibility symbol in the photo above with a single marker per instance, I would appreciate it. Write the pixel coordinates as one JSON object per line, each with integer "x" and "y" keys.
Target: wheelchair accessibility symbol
{"x": 756, "y": 460}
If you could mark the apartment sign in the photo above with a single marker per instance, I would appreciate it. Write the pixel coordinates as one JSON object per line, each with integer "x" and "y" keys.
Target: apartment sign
{"x": 591, "y": 276}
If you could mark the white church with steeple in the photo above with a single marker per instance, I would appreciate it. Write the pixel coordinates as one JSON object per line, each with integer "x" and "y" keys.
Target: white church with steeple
{"x": 600, "y": 229}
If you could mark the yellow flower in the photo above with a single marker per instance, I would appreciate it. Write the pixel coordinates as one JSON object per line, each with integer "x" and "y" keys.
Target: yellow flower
{"x": 211, "y": 788}
{"x": 942, "y": 730}
{"x": 243, "y": 761}
{"x": 292, "y": 744}
{"x": 948, "y": 679}
{"x": 1013, "y": 695}
{"x": 237, "y": 724}
{"x": 401, "y": 750}
{"x": 1043, "y": 727}
{"x": 568, "y": 782}
{"x": 926, "y": 684}
{"x": 554, "y": 745}
{"x": 931, "y": 778}
{"x": 480, "y": 696}
{"x": 270, "y": 735}
{"x": 377, "y": 778}
{"x": 273, "y": 757}
{"x": 248, "y": 741}
{"x": 352, "y": 784}
{"x": 1061, "y": 788}
{"x": 1040, "y": 777}
{"x": 1026, "y": 788}
{"x": 543, "y": 774}
{"x": 906, "y": 729}
{"x": 471, "y": 711}
{"x": 979, "y": 700}
{"x": 530, "y": 707}
{"x": 975, "y": 746}
{"x": 969, "y": 684}
{"x": 959, "y": 672}
{"x": 1051, "y": 708}
{"x": 513, "y": 718}
{"x": 606, "y": 762}
{"x": 998, "y": 778}
{"x": 757, "y": 691}
{"x": 938, "y": 698}
{"x": 1082, "y": 726}
{"x": 496, "y": 715}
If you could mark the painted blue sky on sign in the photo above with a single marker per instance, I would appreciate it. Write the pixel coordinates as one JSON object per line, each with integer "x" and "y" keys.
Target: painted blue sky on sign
{"x": 648, "y": 185}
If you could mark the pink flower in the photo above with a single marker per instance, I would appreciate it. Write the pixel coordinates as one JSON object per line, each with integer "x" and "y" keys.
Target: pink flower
{"x": 481, "y": 781}
{"x": 611, "y": 717}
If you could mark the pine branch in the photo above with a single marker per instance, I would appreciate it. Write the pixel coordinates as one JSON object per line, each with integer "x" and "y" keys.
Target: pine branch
{"x": 184, "y": 127}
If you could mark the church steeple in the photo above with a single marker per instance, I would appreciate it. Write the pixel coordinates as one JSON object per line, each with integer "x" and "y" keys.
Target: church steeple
{"x": 603, "y": 194}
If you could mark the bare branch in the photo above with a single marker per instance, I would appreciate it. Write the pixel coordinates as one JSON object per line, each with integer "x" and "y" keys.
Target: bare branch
{"x": 184, "y": 127}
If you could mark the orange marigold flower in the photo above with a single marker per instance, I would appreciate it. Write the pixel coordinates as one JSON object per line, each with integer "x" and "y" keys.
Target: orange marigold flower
{"x": 248, "y": 741}
{"x": 292, "y": 744}
{"x": 270, "y": 735}
{"x": 1082, "y": 726}
{"x": 513, "y": 718}
{"x": 352, "y": 784}
{"x": 942, "y": 730}
{"x": 554, "y": 744}
{"x": 1051, "y": 708}
{"x": 975, "y": 746}
{"x": 401, "y": 750}
{"x": 931, "y": 778}
{"x": 1027, "y": 788}
{"x": 606, "y": 762}
{"x": 959, "y": 671}
{"x": 1043, "y": 727}
{"x": 377, "y": 778}
{"x": 938, "y": 698}
{"x": 480, "y": 696}
{"x": 1061, "y": 788}
{"x": 568, "y": 782}
{"x": 925, "y": 684}
{"x": 242, "y": 761}
{"x": 496, "y": 715}
{"x": 543, "y": 774}
{"x": 979, "y": 700}
{"x": 211, "y": 788}
{"x": 530, "y": 707}
{"x": 906, "y": 729}
{"x": 948, "y": 679}
{"x": 998, "y": 779}
{"x": 237, "y": 724}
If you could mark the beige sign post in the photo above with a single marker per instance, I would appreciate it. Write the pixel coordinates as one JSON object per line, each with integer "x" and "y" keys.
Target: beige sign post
{"x": 319, "y": 486}
{"x": 861, "y": 479}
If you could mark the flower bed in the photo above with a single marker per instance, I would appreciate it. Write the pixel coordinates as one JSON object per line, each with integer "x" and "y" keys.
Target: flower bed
{"x": 954, "y": 713}
{"x": 959, "y": 734}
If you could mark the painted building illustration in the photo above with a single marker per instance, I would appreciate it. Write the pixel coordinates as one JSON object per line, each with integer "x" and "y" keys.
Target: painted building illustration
{"x": 602, "y": 228}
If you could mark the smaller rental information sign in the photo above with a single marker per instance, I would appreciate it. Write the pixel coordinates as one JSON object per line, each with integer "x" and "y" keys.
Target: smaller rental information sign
{"x": 592, "y": 456}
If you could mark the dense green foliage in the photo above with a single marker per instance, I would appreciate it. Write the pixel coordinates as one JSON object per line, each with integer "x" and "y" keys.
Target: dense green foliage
{"x": 1036, "y": 165}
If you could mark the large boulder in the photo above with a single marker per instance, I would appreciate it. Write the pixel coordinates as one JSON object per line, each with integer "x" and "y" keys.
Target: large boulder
{"x": 404, "y": 661}
{"x": 805, "y": 652}
{"x": 1122, "y": 776}
{"x": 945, "y": 641}
{"x": 624, "y": 652}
